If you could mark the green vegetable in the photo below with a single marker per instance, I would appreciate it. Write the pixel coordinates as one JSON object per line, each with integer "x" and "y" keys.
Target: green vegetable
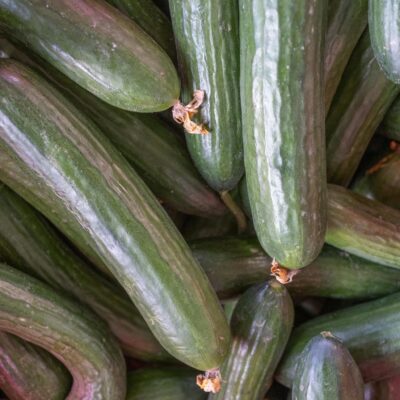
{"x": 98, "y": 48}
{"x": 283, "y": 125}
{"x": 390, "y": 125}
{"x": 58, "y": 161}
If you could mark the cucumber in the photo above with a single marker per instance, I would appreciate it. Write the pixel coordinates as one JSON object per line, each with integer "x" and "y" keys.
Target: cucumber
{"x": 97, "y": 47}
{"x": 151, "y": 19}
{"x": 283, "y": 125}
{"x": 346, "y": 23}
{"x": 363, "y": 227}
{"x": 384, "y": 26}
{"x": 207, "y": 40}
{"x": 387, "y": 389}
{"x": 59, "y": 162}
{"x": 161, "y": 160}
{"x": 390, "y": 125}
{"x": 360, "y": 103}
{"x": 38, "y": 314}
{"x": 28, "y": 242}
{"x": 163, "y": 384}
{"x": 327, "y": 371}
{"x": 261, "y": 325}
{"x": 28, "y": 372}
{"x": 370, "y": 331}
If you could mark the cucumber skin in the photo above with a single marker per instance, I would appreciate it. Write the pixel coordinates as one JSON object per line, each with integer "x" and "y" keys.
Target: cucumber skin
{"x": 360, "y": 103}
{"x": 284, "y": 134}
{"x": 363, "y": 227}
{"x": 370, "y": 331}
{"x": 28, "y": 372}
{"x": 211, "y": 29}
{"x": 111, "y": 46}
{"x": 28, "y": 242}
{"x": 387, "y": 389}
{"x": 36, "y": 313}
{"x": 173, "y": 177}
{"x": 261, "y": 324}
{"x": 346, "y": 23}
{"x": 390, "y": 126}
{"x": 104, "y": 208}
{"x": 327, "y": 371}
{"x": 384, "y": 26}
{"x": 163, "y": 384}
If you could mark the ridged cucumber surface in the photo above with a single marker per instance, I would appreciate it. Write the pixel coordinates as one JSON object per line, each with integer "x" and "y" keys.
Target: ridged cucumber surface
{"x": 60, "y": 162}
{"x": 207, "y": 40}
{"x": 85, "y": 345}
{"x": 282, "y": 44}
{"x": 98, "y": 47}
{"x": 327, "y": 371}
{"x": 261, "y": 325}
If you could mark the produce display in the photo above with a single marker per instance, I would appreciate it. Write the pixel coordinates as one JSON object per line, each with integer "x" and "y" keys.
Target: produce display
{"x": 199, "y": 200}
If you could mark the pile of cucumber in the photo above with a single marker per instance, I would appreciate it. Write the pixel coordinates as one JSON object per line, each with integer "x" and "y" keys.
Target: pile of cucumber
{"x": 200, "y": 199}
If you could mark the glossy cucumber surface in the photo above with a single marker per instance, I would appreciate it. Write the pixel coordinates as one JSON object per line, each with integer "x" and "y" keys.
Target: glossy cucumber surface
{"x": 207, "y": 41}
{"x": 282, "y": 46}
{"x": 98, "y": 47}
{"x": 58, "y": 161}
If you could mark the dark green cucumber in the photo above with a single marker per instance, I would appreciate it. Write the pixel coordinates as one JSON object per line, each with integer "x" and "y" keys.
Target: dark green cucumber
{"x": 370, "y": 331}
{"x": 234, "y": 264}
{"x": 346, "y": 23}
{"x": 28, "y": 372}
{"x": 384, "y": 27}
{"x": 283, "y": 125}
{"x": 161, "y": 159}
{"x": 28, "y": 242}
{"x": 207, "y": 40}
{"x": 71, "y": 332}
{"x": 364, "y": 227}
{"x": 390, "y": 125}
{"x": 59, "y": 162}
{"x": 151, "y": 19}
{"x": 387, "y": 389}
{"x": 327, "y": 371}
{"x": 360, "y": 103}
{"x": 261, "y": 325}
{"x": 98, "y": 47}
{"x": 163, "y": 384}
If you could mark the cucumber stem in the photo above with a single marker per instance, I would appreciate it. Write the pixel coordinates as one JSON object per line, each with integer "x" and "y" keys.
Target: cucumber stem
{"x": 235, "y": 210}
{"x": 282, "y": 274}
{"x": 210, "y": 381}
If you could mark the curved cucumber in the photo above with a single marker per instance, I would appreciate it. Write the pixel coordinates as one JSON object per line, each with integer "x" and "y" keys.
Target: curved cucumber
{"x": 28, "y": 372}
{"x": 327, "y": 371}
{"x": 346, "y": 23}
{"x": 370, "y": 331}
{"x": 261, "y": 324}
{"x": 363, "y": 227}
{"x": 207, "y": 41}
{"x": 390, "y": 125}
{"x": 360, "y": 103}
{"x": 28, "y": 242}
{"x": 283, "y": 125}
{"x": 151, "y": 19}
{"x": 97, "y": 47}
{"x": 36, "y": 313}
{"x": 59, "y": 162}
{"x": 163, "y": 384}
{"x": 384, "y": 27}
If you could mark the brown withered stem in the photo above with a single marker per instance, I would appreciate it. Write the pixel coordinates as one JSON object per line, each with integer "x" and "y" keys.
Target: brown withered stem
{"x": 210, "y": 381}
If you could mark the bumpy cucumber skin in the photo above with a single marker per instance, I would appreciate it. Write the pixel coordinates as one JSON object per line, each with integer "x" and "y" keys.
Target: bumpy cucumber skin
{"x": 283, "y": 125}
{"x": 151, "y": 19}
{"x": 207, "y": 41}
{"x": 97, "y": 47}
{"x": 363, "y": 227}
{"x": 261, "y": 325}
{"x": 346, "y": 23}
{"x": 360, "y": 103}
{"x": 384, "y": 26}
{"x": 163, "y": 384}
{"x": 327, "y": 371}
{"x": 390, "y": 125}
{"x": 36, "y": 313}
{"x": 28, "y": 372}
{"x": 28, "y": 242}
{"x": 370, "y": 331}
{"x": 59, "y": 162}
